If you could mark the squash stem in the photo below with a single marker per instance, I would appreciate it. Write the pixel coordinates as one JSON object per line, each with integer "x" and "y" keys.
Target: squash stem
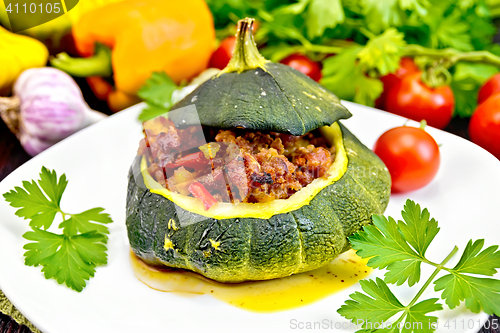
{"x": 97, "y": 65}
{"x": 246, "y": 56}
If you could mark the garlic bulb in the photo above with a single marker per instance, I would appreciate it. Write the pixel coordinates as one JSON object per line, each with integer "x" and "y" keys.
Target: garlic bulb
{"x": 47, "y": 107}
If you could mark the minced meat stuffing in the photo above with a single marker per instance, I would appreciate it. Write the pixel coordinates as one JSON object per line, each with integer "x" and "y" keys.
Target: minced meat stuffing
{"x": 236, "y": 165}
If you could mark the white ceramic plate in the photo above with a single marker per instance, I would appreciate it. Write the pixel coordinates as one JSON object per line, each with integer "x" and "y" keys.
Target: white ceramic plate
{"x": 463, "y": 197}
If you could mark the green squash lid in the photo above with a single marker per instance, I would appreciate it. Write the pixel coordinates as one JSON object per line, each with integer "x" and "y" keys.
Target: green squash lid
{"x": 254, "y": 93}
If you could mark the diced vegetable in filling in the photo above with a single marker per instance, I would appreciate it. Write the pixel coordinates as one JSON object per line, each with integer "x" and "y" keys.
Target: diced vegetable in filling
{"x": 235, "y": 165}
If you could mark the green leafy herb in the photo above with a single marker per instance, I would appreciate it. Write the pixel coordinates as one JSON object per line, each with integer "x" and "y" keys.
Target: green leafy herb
{"x": 478, "y": 293}
{"x": 400, "y": 247}
{"x": 70, "y": 257}
{"x": 157, "y": 93}
{"x": 417, "y": 6}
{"x": 151, "y": 111}
{"x": 380, "y": 15}
{"x": 323, "y": 14}
{"x": 481, "y": 30}
{"x": 344, "y": 75}
{"x": 383, "y": 52}
{"x": 450, "y": 31}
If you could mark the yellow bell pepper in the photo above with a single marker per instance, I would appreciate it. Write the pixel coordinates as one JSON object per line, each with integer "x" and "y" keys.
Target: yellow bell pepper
{"x": 54, "y": 30}
{"x": 18, "y": 53}
{"x": 132, "y": 39}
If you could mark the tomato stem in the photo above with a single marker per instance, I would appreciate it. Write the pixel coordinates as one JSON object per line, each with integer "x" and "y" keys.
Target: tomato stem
{"x": 436, "y": 76}
{"x": 423, "y": 124}
{"x": 477, "y": 56}
{"x": 246, "y": 55}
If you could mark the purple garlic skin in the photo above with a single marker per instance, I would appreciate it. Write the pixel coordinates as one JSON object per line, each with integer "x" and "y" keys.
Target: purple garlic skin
{"x": 51, "y": 108}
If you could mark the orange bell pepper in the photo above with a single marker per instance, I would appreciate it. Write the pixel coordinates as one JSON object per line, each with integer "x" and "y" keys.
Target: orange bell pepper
{"x": 134, "y": 38}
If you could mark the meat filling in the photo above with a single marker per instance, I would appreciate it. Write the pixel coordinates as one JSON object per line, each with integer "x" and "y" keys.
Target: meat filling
{"x": 235, "y": 165}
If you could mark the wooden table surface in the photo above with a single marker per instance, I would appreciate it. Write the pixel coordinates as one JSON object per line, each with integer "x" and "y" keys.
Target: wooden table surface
{"x": 12, "y": 156}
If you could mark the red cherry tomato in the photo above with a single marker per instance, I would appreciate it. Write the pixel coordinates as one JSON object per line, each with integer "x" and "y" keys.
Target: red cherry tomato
{"x": 484, "y": 126}
{"x": 303, "y": 64}
{"x": 411, "y": 155}
{"x": 406, "y": 66}
{"x": 491, "y": 87}
{"x": 220, "y": 58}
{"x": 411, "y": 98}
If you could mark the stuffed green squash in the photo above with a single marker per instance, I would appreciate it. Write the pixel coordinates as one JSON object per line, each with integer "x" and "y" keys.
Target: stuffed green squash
{"x": 261, "y": 182}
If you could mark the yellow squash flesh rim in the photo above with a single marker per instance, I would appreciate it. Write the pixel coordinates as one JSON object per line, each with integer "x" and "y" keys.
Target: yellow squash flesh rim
{"x": 225, "y": 210}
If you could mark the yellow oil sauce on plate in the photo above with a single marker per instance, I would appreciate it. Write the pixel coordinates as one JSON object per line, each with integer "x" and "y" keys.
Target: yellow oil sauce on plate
{"x": 260, "y": 296}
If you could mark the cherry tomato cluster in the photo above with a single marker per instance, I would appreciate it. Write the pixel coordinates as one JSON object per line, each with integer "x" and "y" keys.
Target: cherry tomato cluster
{"x": 406, "y": 95}
{"x": 411, "y": 154}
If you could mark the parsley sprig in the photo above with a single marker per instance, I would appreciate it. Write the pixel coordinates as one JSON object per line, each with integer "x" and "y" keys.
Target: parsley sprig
{"x": 70, "y": 257}
{"x": 400, "y": 248}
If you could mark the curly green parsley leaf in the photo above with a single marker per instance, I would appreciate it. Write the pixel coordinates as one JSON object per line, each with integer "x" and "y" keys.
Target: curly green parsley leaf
{"x": 449, "y": 31}
{"x": 345, "y": 75}
{"x": 157, "y": 93}
{"x": 380, "y": 15}
{"x": 379, "y": 304}
{"x": 386, "y": 247}
{"x": 70, "y": 257}
{"x": 417, "y": 6}
{"x": 417, "y": 318}
{"x": 383, "y": 52}
{"x": 478, "y": 293}
{"x": 400, "y": 247}
{"x": 323, "y": 14}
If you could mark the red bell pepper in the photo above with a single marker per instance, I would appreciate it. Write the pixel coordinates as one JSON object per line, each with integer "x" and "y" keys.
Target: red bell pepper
{"x": 200, "y": 192}
{"x": 194, "y": 160}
